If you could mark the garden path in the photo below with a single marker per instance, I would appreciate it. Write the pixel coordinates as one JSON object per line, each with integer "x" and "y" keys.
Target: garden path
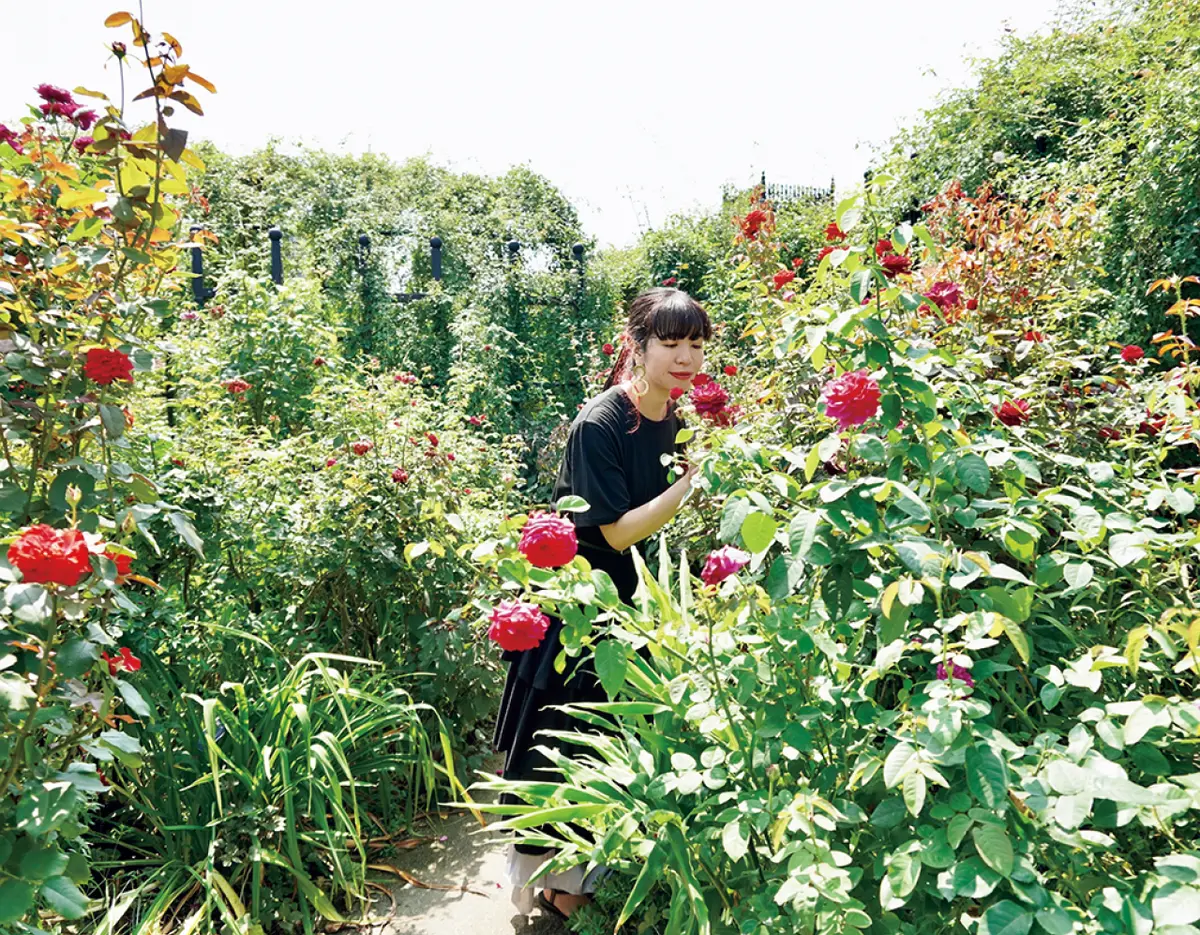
{"x": 468, "y": 857}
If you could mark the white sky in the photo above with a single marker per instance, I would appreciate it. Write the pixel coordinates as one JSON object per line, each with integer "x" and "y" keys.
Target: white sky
{"x": 635, "y": 109}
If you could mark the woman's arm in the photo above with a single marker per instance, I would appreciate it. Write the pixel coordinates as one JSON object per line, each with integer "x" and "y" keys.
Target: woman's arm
{"x": 648, "y": 518}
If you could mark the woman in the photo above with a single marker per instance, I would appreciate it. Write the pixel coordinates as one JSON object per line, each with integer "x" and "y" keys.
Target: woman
{"x": 614, "y": 462}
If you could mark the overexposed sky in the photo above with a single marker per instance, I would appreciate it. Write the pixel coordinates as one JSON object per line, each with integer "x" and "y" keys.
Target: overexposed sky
{"x": 635, "y": 109}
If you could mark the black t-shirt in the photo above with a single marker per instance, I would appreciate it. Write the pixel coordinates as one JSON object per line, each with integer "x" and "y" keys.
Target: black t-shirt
{"x": 614, "y": 461}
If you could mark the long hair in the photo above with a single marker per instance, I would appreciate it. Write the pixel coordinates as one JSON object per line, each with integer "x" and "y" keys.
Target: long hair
{"x": 663, "y": 313}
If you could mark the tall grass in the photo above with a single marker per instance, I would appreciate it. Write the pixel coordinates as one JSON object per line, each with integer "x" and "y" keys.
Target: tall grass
{"x": 268, "y": 785}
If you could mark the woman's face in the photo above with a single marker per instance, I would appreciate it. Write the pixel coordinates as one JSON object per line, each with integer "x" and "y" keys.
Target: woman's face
{"x": 671, "y": 364}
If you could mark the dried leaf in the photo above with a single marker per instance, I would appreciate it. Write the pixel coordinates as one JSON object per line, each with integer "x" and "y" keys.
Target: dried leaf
{"x": 421, "y": 884}
{"x": 118, "y": 19}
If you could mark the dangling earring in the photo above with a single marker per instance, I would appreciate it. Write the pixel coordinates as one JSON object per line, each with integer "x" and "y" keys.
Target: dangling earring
{"x": 640, "y": 386}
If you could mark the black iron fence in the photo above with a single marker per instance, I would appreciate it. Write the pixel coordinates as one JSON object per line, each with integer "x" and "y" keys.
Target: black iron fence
{"x": 202, "y": 292}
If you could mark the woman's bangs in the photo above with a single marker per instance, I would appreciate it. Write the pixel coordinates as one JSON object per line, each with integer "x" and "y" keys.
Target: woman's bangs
{"x": 680, "y": 318}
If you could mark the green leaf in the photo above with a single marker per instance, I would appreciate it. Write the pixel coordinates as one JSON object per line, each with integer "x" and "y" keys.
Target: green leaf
{"x": 612, "y": 661}
{"x": 187, "y": 532}
{"x": 113, "y": 419}
{"x": 1175, "y": 904}
{"x": 649, "y": 875}
{"x": 899, "y": 763}
{"x": 16, "y": 898}
{"x": 606, "y": 590}
{"x": 1055, "y": 920}
{"x": 913, "y": 786}
{"x": 994, "y": 847}
{"x": 45, "y": 806}
{"x": 1126, "y": 548}
{"x": 575, "y": 504}
{"x": 860, "y": 285}
{"x": 1016, "y": 604}
{"x": 15, "y": 693}
{"x": 28, "y": 602}
{"x": 732, "y": 516}
{"x": 987, "y": 776}
{"x": 1077, "y": 575}
{"x": 903, "y": 872}
{"x": 137, "y": 704}
{"x": 973, "y": 473}
{"x": 1005, "y": 918}
{"x": 758, "y": 532}
{"x": 973, "y": 879}
{"x": 76, "y": 656}
{"x": 64, "y": 897}
{"x": 1017, "y": 637}
{"x": 736, "y": 840}
{"x": 41, "y": 863}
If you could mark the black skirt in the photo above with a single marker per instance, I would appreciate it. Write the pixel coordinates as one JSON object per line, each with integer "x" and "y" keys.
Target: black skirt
{"x": 533, "y": 688}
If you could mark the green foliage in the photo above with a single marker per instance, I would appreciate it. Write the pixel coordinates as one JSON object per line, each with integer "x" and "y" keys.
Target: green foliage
{"x": 1105, "y": 99}
{"x": 260, "y": 788}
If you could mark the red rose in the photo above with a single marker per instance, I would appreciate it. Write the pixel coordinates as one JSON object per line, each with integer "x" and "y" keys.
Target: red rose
{"x": 103, "y": 365}
{"x": 400, "y": 476}
{"x": 894, "y": 265}
{"x": 945, "y": 295}
{"x": 1109, "y": 433}
{"x": 709, "y": 399}
{"x": 752, "y": 223}
{"x": 797, "y": 262}
{"x": 700, "y": 379}
{"x": 882, "y": 247}
{"x": 433, "y": 439}
{"x": 782, "y": 278}
{"x": 722, "y": 563}
{"x": 318, "y": 361}
{"x": 449, "y": 456}
{"x": 476, "y": 420}
{"x": 517, "y": 625}
{"x": 123, "y": 562}
{"x": 676, "y": 392}
{"x": 1131, "y": 353}
{"x": 548, "y": 540}
{"x": 824, "y": 252}
{"x": 85, "y": 119}
{"x": 45, "y": 555}
{"x": 833, "y": 232}
{"x": 670, "y": 281}
{"x": 361, "y": 448}
{"x": 1012, "y": 413}
{"x": 608, "y": 350}
{"x": 852, "y": 398}
{"x": 972, "y": 304}
{"x": 1035, "y": 336}
{"x": 126, "y": 661}
{"x": 330, "y": 462}
{"x": 48, "y": 92}
{"x": 178, "y": 462}
{"x": 731, "y": 370}
{"x": 57, "y": 109}
{"x": 81, "y": 143}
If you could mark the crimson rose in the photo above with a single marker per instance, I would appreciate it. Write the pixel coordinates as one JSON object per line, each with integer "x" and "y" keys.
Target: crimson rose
{"x": 45, "y": 555}
{"x": 517, "y": 626}
{"x": 852, "y": 398}
{"x": 104, "y": 365}
{"x": 548, "y": 540}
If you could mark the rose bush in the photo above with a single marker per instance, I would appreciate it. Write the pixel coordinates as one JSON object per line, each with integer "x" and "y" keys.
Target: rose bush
{"x": 953, "y": 688}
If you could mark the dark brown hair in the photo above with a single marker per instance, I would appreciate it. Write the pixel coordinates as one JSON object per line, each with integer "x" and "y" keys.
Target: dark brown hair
{"x": 663, "y": 313}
